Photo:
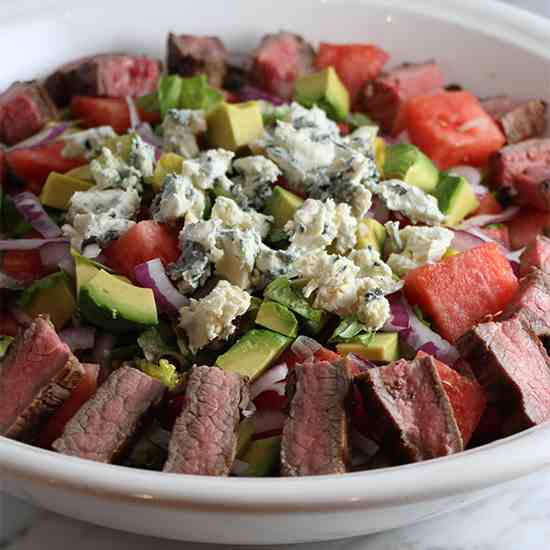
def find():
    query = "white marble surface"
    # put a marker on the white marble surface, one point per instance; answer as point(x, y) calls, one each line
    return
point(517, 519)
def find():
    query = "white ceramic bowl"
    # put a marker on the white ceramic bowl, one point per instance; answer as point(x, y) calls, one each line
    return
point(489, 48)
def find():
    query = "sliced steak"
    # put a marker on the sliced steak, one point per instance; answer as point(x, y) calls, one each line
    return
point(536, 254)
point(531, 304)
point(103, 427)
point(414, 416)
point(523, 171)
point(108, 75)
point(385, 96)
point(204, 438)
point(25, 108)
point(511, 364)
point(36, 378)
point(279, 60)
point(315, 435)
point(189, 55)
point(519, 119)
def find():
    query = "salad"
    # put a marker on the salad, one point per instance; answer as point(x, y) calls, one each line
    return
point(294, 262)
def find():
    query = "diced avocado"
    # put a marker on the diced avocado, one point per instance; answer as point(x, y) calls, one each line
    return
point(245, 431)
point(278, 318)
point(81, 172)
point(282, 292)
point(455, 197)
point(86, 269)
point(324, 89)
point(371, 232)
point(168, 163)
point(282, 205)
point(383, 347)
point(51, 295)
point(232, 126)
point(262, 456)
point(253, 353)
point(5, 343)
point(59, 188)
point(379, 153)
point(115, 305)
point(408, 163)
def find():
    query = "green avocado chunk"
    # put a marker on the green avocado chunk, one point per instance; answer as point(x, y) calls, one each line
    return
point(383, 347)
point(262, 456)
point(325, 90)
point(278, 318)
point(245, 431)
point(371, 232)
point(59, 188)
point(107, 301)
point(456, 198)
point(282, 205)
point(407, 162)
point(253, 353)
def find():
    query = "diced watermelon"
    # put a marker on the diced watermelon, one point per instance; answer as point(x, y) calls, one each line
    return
point(452, 128)
point(355, 64)
point(23, 265)
point(461, 290)
point(526, 225)
point(488, 204)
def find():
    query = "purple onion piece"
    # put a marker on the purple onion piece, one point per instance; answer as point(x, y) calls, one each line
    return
point(80, 338)
point(28, 244)
point(251, 93)
point(53, 255)
point(272, 380)
point(486, 219)
point(45, 136)
point(30, 208)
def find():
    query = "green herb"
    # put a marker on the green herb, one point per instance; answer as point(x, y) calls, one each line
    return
point(169, 93)
point(350, 329)
point(5, 342)
point(164, 371)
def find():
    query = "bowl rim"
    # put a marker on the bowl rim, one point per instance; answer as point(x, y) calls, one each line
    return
point(464, 472)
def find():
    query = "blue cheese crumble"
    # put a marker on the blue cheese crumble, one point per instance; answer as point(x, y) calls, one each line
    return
point(179, 130)
point(86, 143)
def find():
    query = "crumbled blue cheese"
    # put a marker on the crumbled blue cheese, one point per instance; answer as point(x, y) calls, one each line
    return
point(178, 199)
point(362, 140)
point(141, 156)
point(192, 268)
point(314, 119)
point(373, 309)
point(411, 201)
point(87, 142)
point(204, 233)
point(179, 130)
point(213, 317)
point(374, 268)
point(271, 264)
point(420, 246)
point(228, 212)
point(209, 169)
point(111, 172)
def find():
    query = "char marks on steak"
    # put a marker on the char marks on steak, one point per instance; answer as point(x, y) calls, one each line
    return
point(315, 435)
point(204, 438)
point(536, 255)
point(36, 378)
point(105, 424)
point(25, 108)
point(415, 418)
point(189, 55)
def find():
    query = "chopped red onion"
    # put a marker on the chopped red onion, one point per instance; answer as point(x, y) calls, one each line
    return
point(132, 109)
point(152, 275)
point(358, 364)
point(466, 240)
point(239, 468)
point(304, 347)
point(251, 93)
point(68, 266)
point(28, 244)
point(46, 135)
point(30, 208)
point(399, 315)
point(144, 130)
point(268, 421)
point(271, 380)
point(53, 254)
point(378, 211)
point(80, 338)
point(486, 219)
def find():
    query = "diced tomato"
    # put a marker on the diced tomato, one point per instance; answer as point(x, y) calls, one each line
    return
point(24, 265)
point(35, 164)
point(452, 128)
point(83, 391)
point(107, 111)
point(498, 233)
point(8, 325)
point(271, 400)
point(355, 64)
point(143, 242)
point(461, 290)
point(488, 204)
point(526, 225)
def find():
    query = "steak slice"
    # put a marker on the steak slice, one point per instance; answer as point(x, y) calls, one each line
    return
point(536, 254)
point(25, 108)
point(36, 378)
point(385, 96)
point(204, 438)
point(523, 171)
point(414, 416)
point(108, 75)
point(519, 119)
point(105, 424)
point(279, 59)
point(511, 364)
point(531, 304)
point(315, 435)
point(189, 55)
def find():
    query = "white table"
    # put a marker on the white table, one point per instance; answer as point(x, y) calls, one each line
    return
point(517, 519)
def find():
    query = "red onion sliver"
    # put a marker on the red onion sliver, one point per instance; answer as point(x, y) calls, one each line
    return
point(358, 364)
point(304, 347)
point(466, 240)
point(486, 219)
point(80, 338)
point(268, 421)
point(399, 314)
point(46, 135)
point(144, 130)
point(250, 93)
point(132, 109)
point(52, 254)
point(271, 380)
point(28, 244)
point(68, 266)
point(30, 208)
point(152, 275)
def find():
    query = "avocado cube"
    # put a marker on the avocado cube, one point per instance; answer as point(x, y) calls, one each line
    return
point(278, 318)
point(245, 431)
point(408, 163)
point(108, 302)
point(51, 296)
point(168, 163)
point(379, 153)
point(456, 198)
point(324, 89)
point(59, 188)
point(234, 125)
point(86, 269)
point(253, 353)
point(81, 172)
point(383, 347)
point(371, 232)
point(262, 456)
point(282, 205)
